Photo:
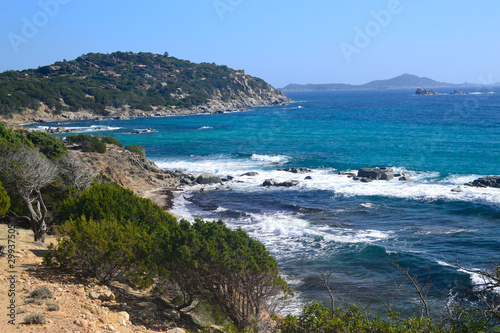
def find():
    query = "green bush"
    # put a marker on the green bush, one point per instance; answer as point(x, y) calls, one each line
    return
point(48, 145)
point(136, 149)
point(112, 141)
point(88, 142)
point(105, 249)
point(9, 136)
point(234, 272)
point(4, 201)
point(316, 318)
point(108, 201)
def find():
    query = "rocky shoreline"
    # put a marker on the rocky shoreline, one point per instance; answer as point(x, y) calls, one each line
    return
point(214, 106)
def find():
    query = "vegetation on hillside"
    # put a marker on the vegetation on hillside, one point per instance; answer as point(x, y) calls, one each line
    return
point(97, 81)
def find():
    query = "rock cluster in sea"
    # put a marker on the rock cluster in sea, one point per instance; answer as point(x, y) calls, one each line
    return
point(421, 91)
point(490, 181)
point(367, 175)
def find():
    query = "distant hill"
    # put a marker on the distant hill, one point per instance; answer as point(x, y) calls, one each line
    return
point(399, 82)
point(129, 84)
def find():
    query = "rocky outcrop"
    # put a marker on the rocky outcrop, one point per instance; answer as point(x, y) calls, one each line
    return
point(272, 182)
point(421, 91)
point(490, 181)
point(207, 179)
point(296, 170)
point(457, 92)
point(250, 174)
point(376, 173)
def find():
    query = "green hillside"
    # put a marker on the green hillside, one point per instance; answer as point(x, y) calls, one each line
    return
point(141, 81)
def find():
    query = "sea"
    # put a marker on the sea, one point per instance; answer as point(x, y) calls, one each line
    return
point(331, 227)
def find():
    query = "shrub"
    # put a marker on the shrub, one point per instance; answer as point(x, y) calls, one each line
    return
point(234, 272)
point(9, 136)
point(107, 201)
point(35, 318)
point(4, 201)
point(111, 140)
point(105, 249)
point(140, 150)
point(88, 142)
point(316, 318)
point(48, 145)
point(41, 293)
point(52, 306)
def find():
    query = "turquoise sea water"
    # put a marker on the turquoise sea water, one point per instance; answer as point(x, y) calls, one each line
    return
point(332, 223)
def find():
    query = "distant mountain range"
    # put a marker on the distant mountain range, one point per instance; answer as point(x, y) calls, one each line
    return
point(399, 82)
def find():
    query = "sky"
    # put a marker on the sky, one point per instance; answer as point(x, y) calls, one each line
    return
point(292, 41)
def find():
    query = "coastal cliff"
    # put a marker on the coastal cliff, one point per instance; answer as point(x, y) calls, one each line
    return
point(126, 84)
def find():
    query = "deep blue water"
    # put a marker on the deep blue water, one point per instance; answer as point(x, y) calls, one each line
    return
point(332, 223)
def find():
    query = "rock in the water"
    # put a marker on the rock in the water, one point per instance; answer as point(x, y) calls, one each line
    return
point(366, 180)
point(376, 173)
point(229, 177)
point(251, 174)
point(271, 182)
point(421, 91)
point(308, 177)
point(457, 189)
point(208, 178)
point(457, 92)
point(296, 170)
point(490, 181)
point(405, 179)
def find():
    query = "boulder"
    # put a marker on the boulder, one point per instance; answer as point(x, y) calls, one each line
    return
point(376, 173)
point(250, 174)
point(405, 179)
point(124, 314)
point(490, 181)
point(457, 189)
point(208, 178)
point(271, 182)
point(457, 92)
point(296, 170)
point(308, 177)
point(107, 296)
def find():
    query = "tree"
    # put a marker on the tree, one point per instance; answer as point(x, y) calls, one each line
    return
point(4, 201)
point(232, 271)
point(26, 172)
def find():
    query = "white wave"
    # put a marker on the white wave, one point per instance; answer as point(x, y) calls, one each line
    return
point(478, 280)
point(76, 129)
point(280, 159)
point(205, 128)
point(425, 186)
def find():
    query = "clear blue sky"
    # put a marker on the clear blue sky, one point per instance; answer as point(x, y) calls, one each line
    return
point(316, 41)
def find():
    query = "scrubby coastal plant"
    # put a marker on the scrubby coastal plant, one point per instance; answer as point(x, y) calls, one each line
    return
point(51, 147)
point(136, 149)
point(105, 249)
point(89, 143)
point(228, 268)
point(4, 201)
point(111, 140)
point(35, 319)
